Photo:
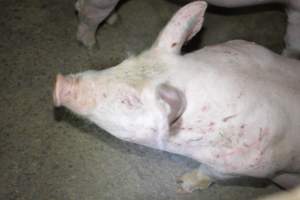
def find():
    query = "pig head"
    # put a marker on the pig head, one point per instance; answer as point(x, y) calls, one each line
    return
point(118, 103)
point(234, 107)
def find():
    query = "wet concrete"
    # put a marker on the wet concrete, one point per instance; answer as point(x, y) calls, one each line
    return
point(52, 154)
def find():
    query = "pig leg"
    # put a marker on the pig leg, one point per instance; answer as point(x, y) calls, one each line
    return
point(113, 17)
point(91, 13)
point(201, 178)
point(287, 181)
point(193, 180)
point(292, 37)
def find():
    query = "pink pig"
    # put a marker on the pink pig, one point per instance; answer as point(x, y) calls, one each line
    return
point(234, 107)
point(93, 12)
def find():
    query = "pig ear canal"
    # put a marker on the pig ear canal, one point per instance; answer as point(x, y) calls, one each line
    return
point(174, 99)
point(182, 27)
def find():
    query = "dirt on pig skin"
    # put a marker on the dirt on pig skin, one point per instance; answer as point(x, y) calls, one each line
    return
point(52, 154)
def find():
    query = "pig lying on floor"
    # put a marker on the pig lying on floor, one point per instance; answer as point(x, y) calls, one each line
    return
point(92, 12)
point(234, 107)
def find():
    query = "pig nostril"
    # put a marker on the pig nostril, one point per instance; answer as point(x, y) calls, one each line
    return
point(56, 91)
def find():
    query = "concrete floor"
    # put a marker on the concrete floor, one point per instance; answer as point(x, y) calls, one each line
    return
point(51, 154)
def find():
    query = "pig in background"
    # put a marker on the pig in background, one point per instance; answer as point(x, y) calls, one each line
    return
point(92, 12)
point(238, 115)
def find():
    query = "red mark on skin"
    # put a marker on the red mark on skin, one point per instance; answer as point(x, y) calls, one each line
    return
point(195, 140)
point(240, 150)
point(127, 102)
point(240, 95)
point(242, 131)
point(174, 44)
point(262, 133)
point(246, 145)
point(211, 127)
point(177, 23)
point(189, 129)
point(153, 130)
point(225, 119)
point(204, 108)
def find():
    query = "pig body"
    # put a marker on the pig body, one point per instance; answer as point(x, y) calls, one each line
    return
point(241, 115)
point(93, 12)
point(234, 107)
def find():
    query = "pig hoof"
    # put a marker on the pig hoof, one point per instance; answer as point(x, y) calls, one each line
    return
point(86, 36)
point(112, 18)
point(192, 181)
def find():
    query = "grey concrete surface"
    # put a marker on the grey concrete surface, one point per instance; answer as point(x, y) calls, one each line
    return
point(50, 154)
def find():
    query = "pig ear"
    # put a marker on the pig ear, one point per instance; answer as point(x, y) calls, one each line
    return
point(174, 99)
point(182, 27)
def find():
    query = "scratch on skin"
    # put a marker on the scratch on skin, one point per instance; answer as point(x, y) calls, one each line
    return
point(242, 130)
point(263, 132)
point(225, 119)
point(205, 108)
point(224, 137)
point(131, 101)
point(211, 127)
point(240, 95)
point(195, 140)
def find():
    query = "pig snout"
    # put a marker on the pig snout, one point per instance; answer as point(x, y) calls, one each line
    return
point(62, 89)
point(71, 92)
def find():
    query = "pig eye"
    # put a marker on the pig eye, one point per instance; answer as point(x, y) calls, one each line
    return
point(131, 101)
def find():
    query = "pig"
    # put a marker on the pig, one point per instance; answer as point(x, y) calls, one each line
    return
point(233, 107)
point(93, 12)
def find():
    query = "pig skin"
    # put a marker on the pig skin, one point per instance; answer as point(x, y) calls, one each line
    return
point(234, 107)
